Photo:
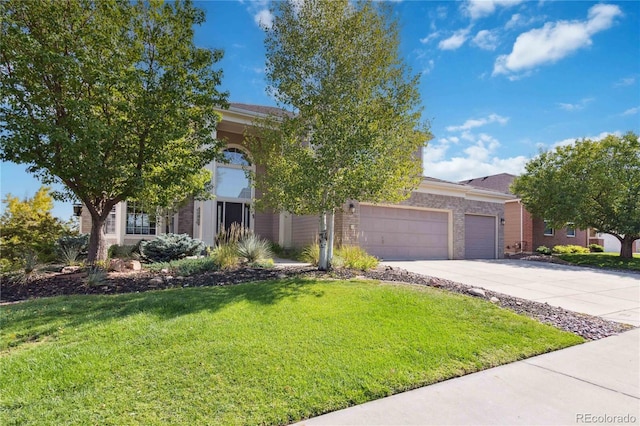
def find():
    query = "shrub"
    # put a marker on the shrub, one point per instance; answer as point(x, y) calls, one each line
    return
point(311, 254)
point(596, 248)
point(96, 276)
point(70, 248)
point(567, 249)
point(543, 250)
point(168, 247)
point(185, 267)
point(355, 257)
point(264, 264)
point(285, 252)
point(225, 256)
point(253, 248)
point(123, 251)
point(233, 235)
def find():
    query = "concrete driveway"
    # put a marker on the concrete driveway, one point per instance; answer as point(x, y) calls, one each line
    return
point(611, 295)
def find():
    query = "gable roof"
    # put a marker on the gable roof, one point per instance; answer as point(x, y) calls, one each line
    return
point(499, 182)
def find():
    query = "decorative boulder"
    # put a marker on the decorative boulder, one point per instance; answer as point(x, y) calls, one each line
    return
point(134, 265)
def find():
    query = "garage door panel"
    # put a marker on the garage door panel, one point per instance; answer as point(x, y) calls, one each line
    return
point(397, 233)
point(479, 237)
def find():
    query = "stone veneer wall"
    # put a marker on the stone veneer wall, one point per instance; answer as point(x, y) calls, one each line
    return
point(459, 207)
point(185, 218)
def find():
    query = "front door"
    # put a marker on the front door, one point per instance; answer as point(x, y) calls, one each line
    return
point(230, 213)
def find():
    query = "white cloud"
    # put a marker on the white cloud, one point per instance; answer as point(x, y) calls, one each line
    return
point(487, 40)
point(430, 37)
point(264, 18)
point(455, 41)
point(428, 67)
point(577, 106)
point(517, 20)
point(624, 82)
point(555, 40)
point(478, 159)
point(480, 8)
point(631, 111)
point(478, 122)
point(571, 141)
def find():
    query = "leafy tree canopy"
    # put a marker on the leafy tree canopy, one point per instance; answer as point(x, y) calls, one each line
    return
point(354, 127)
point(110, 98)
point(27, 226)
point(594, 184)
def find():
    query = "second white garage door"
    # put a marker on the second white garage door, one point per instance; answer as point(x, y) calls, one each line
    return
point(402, 234)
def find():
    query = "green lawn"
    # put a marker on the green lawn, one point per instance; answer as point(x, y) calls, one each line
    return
point(603, 260)
point(260, 353)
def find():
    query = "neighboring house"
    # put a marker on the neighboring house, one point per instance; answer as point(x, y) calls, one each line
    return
point(441, 220)
point(524, 233)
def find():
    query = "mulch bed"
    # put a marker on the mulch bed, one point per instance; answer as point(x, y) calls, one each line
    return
point(58, 284)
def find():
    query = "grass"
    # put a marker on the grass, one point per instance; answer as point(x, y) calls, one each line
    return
point(260, 353)
point(604, 260)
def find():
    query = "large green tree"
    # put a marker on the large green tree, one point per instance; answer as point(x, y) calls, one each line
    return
point(353, 129)
point(594, 184)
point(110, 98)
point(28, 227)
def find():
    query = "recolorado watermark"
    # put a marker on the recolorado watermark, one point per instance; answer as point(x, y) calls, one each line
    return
point(590, 418)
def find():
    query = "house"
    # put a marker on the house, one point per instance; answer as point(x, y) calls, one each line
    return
point(440, 220)
point(522, 231)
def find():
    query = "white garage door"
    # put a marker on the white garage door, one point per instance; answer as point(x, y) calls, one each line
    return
point(402, 234)
point(479, 237)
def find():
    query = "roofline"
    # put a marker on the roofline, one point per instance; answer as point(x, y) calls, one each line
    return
point(462, 190)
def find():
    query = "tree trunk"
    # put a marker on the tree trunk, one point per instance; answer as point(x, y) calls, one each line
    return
point(97, 244)
point(323, 260)
point(330, 238)
point(626, 247)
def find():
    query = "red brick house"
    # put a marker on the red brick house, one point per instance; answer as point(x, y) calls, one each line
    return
point(522, 232)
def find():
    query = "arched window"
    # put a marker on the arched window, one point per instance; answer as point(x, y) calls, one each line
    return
point(233, 190)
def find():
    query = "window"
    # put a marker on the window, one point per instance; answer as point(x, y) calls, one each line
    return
point(571, 230)
point(236, 157)
point(232, 183)
point(231, 178)
point(548, 230)
point(110, 222)
point(233, 190)
point(140, 222)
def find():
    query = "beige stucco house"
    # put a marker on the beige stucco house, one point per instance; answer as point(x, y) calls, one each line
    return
point(441, 220)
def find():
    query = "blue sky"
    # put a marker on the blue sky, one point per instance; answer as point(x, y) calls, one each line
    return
point(500, 80)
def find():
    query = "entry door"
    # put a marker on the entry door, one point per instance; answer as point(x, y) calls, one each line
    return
point(230, 213)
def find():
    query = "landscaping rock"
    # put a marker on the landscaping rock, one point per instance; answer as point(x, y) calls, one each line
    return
point(117, 265)
point(134, 265)
point(155, 281)
point(494, 300)
point(477, 292)
point(70, 269)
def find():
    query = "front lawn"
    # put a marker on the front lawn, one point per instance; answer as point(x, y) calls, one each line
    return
point(603, 260)
point(260, 353)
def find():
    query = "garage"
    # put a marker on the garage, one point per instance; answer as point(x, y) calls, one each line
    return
point(392, 233)
point(479, 237)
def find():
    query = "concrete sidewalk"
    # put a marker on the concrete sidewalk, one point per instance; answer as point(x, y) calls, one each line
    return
point(593, 383)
